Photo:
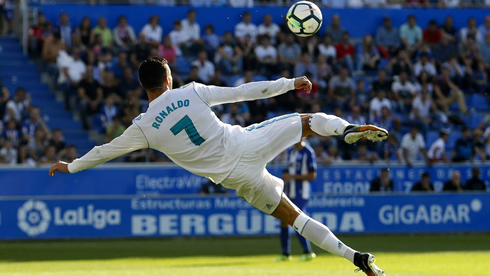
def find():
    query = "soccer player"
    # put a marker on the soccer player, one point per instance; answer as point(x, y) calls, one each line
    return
point(300, 171)
point(180, 123)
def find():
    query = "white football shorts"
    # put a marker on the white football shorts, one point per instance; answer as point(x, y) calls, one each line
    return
point(265, 141)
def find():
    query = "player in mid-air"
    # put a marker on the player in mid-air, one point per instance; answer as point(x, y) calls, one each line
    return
point(180, 123)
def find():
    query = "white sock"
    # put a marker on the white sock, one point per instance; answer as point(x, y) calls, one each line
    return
point(327, 125)
point(320, 235)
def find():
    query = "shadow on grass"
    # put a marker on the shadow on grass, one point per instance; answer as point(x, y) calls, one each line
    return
point(27, 251)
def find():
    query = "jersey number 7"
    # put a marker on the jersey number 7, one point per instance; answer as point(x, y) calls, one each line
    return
point(187, 125)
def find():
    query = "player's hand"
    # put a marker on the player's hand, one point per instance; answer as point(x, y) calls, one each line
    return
point(302, 83)
point(59, 166)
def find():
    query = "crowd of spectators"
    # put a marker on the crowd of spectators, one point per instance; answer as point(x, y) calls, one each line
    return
point(401, 78)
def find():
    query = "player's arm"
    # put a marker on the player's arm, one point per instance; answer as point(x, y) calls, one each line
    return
point(214, 95)
point(131, 140)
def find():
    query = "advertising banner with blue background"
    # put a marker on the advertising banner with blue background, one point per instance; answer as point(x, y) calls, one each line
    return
point(172, 180)
point(44, 218)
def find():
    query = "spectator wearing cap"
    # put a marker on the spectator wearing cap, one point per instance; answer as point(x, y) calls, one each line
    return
point(432, 35)
point(411, 34)
point(412, 146)
point(424, 184)
point(382, 183)
point(335, 30)
point(246, 27)
point(388, 38)
point(152, 32)
point(268, 27)
point(475, 183)
point(437, 151)
point(124, 35)
point(102, 30)
point(454, 184)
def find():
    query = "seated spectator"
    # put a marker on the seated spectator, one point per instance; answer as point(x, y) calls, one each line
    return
point(464, 150)
point(449, 31)
point(246, 27)
point(377, 104)
point(456, 70)
point(328, 50)
point(453, 184)
point(424, 64)
point(432, 35)
point(57, 140)
point(83, 34)
point(66, 30)
point(37, 145)
point(401, 63)
point(192, 31)
point(446, 93)
point(228, 56)
point(72, 69)
point(128, 83)
point(479, 145)
point(119, 63)
point(205, 67)
point(247, 78)
point(69, 154)
point(385, 119)
point(341, 89)
point(49, 156)
point(335, 30)
point(382, 183)
point(479, 79)
point(268, 27)
point(169, 51)
point(233, 117)
point(8, 153)
point(12, 133)
point(102, 30)
point(194, 75)
point(437, 151)
point(444, 51)
point(345, 52)
point(151, 33)
point(211, 40)
point(248, 53)
point(363, 96)
point(218, 79)
point(37, 36)
point(367, 55)
point(356, 117)
point(403, 93)
point(411, 34)
point(16, 108)
point(424, 111)
point(364, 155)
point(90, 94)
point(424, 81)
point(178, 36)
point(324, 71)
point(34, 122)
point(412, 145)
point(470, 29)
point(110, 85)
point(51, 49)
point(424, 184)
point(475, 183)
point(114, 130)
point(388, 39)
point(124, 35)
point(108, 111)
point(382, 82)
point(304, 66)
point(391, 150)
point(289, 53)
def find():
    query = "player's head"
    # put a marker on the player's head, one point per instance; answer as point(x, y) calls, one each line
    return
point(155, 75)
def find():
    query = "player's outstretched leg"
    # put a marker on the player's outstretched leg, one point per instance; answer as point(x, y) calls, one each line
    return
point(330, 125)
point(321, 235)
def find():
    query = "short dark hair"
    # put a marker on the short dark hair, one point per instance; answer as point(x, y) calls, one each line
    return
point(152, 73)
point(425, 174)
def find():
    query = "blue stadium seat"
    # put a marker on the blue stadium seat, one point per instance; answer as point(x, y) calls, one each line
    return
point(183, 65)
point(234, 78)
point(259, 78)
point(474, 119)
point(478, 102)
point(453, 137)
point(432, 136)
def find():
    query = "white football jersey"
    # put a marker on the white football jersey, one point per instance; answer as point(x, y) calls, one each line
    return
point(181, 124)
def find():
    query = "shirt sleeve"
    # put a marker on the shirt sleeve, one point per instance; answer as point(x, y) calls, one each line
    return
point(132, 139)
point(214, 95)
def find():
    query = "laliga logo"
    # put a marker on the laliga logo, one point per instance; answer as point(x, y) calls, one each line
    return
point(33, 217)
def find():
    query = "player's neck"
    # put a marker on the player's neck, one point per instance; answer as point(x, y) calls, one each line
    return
point(155, 94)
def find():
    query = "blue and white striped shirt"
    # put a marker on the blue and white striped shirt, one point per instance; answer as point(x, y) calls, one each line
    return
point(300, 162)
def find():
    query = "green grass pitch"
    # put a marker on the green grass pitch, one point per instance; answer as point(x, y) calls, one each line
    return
point(399, 255)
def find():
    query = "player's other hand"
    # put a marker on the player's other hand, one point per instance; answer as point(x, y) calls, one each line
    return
point(302, 83)
point(59, 166)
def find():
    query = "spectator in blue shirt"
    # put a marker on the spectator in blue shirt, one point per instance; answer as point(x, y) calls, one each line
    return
point(387, 38)
point(66, 29)
point(464, 150)
point(301, 170)
point(411, 34)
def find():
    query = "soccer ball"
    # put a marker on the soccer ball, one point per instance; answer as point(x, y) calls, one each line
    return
point(304, 18)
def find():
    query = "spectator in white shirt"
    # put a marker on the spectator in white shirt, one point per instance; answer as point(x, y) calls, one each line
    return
point(17, 107)
point(484, 28)
point(471, 29)
point(266, 55)
point(412, 145)
point(328, 49)
point(437, 151)
point(246, 27)
point(177, 35)
point(241, 3)
point(152, 32)
point(449, 3)
point(403, 92)
point(421, 114)
point(192, 29)
point(269, 28)
point(124, 34)
point(204, 66)
point(9, 153)
point(72, 69)
point(377, 104)
point(424, 64)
